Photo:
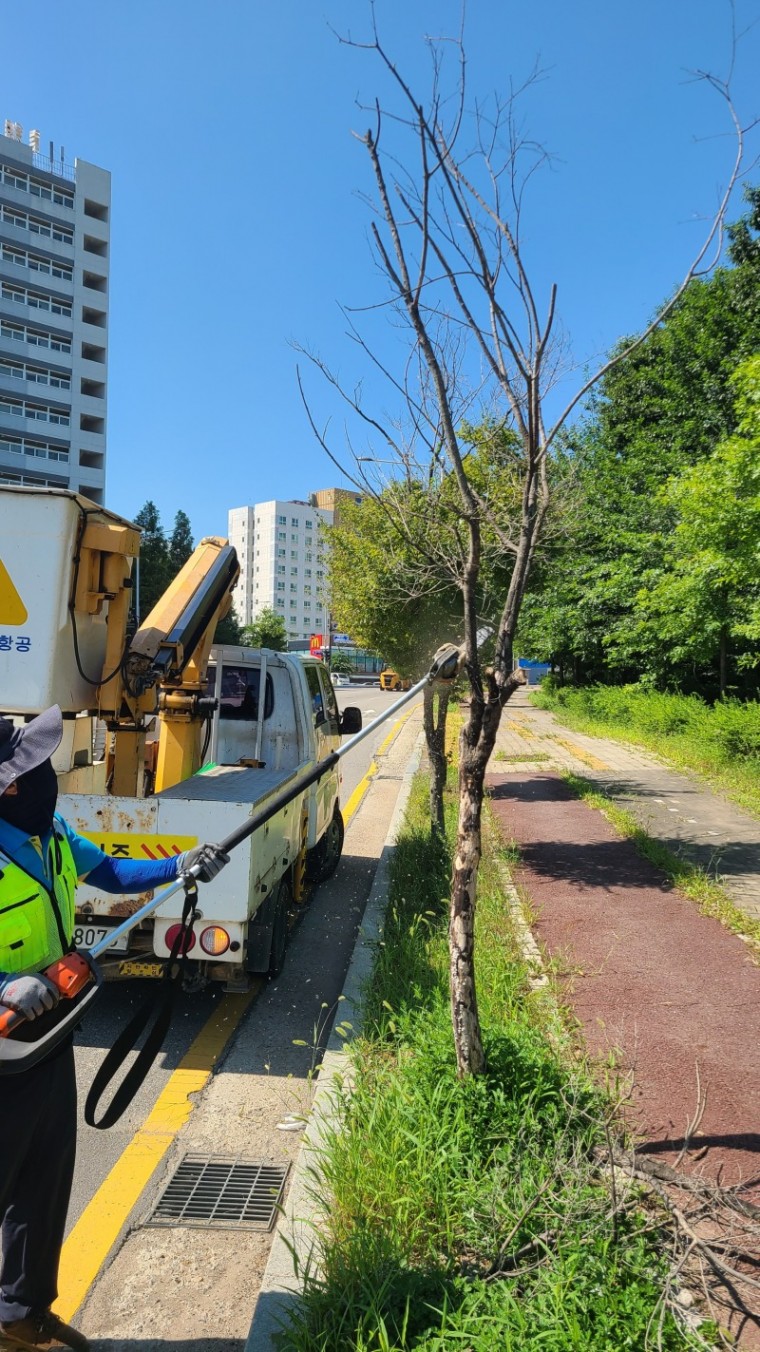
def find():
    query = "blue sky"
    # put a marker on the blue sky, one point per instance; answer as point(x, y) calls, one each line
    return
point(238, 225)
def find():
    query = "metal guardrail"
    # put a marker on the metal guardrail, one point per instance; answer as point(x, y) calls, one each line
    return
point(57, 167)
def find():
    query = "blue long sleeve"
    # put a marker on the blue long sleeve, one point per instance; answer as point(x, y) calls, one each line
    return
point(133, 875)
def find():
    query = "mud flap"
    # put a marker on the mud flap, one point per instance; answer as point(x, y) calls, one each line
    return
point(260, 931)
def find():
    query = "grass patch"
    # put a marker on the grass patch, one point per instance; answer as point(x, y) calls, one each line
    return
point(720, 742)
point(709, 896)
point(470, 1214)
point(528, 756)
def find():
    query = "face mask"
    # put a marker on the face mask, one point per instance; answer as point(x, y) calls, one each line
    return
point(31, 809)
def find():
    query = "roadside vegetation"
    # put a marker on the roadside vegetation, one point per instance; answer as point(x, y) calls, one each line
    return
point(720, 742)
point(473, 1212)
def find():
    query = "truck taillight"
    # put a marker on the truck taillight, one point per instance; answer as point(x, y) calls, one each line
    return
point(215, 940)
point(171, 935)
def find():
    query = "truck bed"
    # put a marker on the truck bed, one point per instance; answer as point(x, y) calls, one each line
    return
point(232, 784)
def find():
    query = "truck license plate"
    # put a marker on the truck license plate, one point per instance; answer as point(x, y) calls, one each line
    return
point(86, 936)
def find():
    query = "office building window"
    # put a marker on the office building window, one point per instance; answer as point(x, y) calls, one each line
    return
point(282, 521)
point(21, 371)
point(26, 446)
point(19, 408)
point(21, 259)
point(19, 295)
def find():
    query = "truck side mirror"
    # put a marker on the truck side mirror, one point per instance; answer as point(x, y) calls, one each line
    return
point(350, 721)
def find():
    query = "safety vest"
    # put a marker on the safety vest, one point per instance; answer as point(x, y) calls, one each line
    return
point(37, 919)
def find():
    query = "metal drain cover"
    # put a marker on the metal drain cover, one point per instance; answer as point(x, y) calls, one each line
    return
point(223, 1193)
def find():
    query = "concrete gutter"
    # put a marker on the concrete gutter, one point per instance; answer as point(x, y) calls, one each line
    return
point(292, 1251)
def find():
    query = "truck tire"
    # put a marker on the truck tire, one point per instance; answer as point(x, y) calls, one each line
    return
point(323, 860)
point(280, 927)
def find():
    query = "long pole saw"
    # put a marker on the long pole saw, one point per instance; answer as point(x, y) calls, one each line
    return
point(76, 975)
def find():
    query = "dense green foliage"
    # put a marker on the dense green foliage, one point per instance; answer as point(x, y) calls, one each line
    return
point(396, 560)
point(380, 590)
point(267, 631)
point(431, 1183)
point(161, 560)
point(656, 574)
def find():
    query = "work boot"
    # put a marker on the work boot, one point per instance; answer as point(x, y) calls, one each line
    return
point(44, 1331)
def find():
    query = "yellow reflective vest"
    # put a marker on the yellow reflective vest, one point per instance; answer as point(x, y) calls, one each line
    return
point(37, 919)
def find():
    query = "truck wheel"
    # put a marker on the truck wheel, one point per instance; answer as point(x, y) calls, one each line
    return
point(322, 861)
point(280, 928)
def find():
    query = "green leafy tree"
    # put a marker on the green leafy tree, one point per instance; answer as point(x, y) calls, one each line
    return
point(180, 542)
point(340, 662)
point(229, 630)
point(267, 631)
point(154, 565)
point(385, 595)
point(659, 414)
point(704, 604)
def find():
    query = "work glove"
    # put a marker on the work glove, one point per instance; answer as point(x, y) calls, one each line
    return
point(211, 859)
point(29, 995)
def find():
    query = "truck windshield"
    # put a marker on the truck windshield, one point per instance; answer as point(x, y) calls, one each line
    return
point(240, 692)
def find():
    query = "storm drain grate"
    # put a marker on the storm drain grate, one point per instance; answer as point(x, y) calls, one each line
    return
point(223, 1193)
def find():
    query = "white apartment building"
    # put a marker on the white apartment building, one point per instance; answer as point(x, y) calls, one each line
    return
point(54, 273)
point(281, 551)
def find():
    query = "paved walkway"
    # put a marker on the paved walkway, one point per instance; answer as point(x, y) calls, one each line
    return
point(673, 807)
point(668, 993)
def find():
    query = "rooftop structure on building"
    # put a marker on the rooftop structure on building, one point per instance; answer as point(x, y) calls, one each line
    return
point(282, 551)
point(54, 265)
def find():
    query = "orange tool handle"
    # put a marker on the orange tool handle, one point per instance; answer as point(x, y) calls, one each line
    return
point(69, 975)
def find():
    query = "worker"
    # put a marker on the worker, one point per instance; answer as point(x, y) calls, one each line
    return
point(41, 859)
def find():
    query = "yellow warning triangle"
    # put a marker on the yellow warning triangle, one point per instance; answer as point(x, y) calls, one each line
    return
point(12, 608)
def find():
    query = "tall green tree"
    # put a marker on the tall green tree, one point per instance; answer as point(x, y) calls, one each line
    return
point(386, 596)
point(703, 605)
point(180, 542)
point(155, 568)
point(267, 631)
point(659, 414)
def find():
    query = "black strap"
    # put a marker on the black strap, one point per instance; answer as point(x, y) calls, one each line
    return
point(155, 1015)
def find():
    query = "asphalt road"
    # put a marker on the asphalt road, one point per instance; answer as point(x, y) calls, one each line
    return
point(99, 1150)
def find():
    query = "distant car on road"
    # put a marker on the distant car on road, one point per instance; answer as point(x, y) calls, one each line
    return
point(390, 680)
point(339, 679)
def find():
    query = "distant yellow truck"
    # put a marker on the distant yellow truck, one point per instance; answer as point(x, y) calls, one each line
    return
point(390, 680)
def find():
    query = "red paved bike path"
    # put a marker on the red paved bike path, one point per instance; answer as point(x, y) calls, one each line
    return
point(645, 974)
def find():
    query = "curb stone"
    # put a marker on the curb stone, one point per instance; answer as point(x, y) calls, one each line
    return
point(293, 1243)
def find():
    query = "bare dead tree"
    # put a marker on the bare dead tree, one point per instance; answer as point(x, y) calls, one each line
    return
point(447, 228)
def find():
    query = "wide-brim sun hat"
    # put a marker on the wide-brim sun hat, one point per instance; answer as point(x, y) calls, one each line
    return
point(24, 748)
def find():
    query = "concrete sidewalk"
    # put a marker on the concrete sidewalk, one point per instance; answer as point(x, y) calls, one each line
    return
point(673, 807)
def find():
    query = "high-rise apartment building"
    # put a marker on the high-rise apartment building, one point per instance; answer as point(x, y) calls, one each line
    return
point(281, 553)
point(54, 261)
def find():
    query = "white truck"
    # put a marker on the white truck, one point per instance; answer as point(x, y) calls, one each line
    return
point(145, 707)
point(259, 743)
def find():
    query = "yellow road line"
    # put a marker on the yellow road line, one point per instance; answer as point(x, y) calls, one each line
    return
point(99, 1225)
point(97, 1229)
point(357, 796)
